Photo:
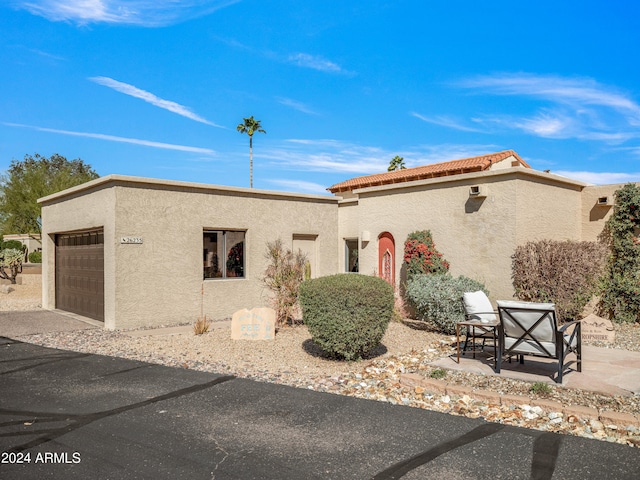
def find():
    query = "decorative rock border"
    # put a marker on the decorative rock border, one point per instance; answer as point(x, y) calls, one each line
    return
point(432, 385)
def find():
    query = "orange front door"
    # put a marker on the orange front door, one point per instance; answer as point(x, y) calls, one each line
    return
point(386, 257)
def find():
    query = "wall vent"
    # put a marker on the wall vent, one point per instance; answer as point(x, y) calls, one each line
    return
point(604, 201)
point(478, 191)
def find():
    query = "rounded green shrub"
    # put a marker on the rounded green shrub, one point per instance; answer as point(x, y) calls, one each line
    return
point(35, 257)
point(14, 244)
point(347, 315)
point(437, 298)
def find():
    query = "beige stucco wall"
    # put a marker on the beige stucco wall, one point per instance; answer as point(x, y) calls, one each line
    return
point(477, 236)
point(87, 210)
point(547, 210)
point(160, 281)
point(595, 216)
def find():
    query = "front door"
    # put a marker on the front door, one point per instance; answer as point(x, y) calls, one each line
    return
point(386, 257)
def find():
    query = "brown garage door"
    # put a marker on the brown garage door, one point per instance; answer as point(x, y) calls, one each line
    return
point(80, 273)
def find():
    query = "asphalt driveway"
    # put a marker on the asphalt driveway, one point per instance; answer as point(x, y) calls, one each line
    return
point(71, 415)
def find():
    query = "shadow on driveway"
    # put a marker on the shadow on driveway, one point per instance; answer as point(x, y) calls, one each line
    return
point(88, 416)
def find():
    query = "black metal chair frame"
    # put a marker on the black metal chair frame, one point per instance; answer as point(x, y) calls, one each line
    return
point(563, 345)
point(470, 332)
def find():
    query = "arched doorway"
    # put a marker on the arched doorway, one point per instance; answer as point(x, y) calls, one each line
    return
point(387, 257)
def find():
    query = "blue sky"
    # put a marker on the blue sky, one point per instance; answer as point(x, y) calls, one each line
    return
point(157, 88)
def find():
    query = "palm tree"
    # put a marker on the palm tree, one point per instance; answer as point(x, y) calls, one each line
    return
point(250, 126)
point(396, 163)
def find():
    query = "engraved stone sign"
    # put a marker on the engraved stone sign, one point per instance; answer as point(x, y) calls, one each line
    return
point(254, 324)
point(597, 328)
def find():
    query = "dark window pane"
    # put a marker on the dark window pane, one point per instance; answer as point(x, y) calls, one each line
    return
point(223, 254)
point(211, 254)
point(235, 254)
point(351, 254)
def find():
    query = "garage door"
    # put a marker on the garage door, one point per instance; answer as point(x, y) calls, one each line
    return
point(80, 273)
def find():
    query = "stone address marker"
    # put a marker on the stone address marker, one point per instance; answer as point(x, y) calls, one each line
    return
point(597, 328)
point(256, 324)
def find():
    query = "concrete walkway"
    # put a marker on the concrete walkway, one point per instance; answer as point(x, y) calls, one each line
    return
point(179, 330)
point(604, 370)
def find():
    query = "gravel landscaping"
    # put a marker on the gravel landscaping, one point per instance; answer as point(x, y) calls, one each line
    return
point(293, 359)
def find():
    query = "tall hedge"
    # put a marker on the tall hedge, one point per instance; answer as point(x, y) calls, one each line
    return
point(566, 273)
point(347, 315)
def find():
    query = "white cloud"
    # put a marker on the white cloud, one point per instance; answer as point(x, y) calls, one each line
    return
point(333, 156)
point(600, 178)
point(445, 122)
point(112, 138)
point(315, 62)
point(574, 91)
point(575, 107)
point(301, 107)
point(300, 186)
point(135, 12)
point(151, 98)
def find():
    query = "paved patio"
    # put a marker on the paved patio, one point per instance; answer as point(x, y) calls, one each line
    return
point(604, 370)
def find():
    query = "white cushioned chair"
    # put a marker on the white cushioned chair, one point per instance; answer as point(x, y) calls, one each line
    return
point(529, 328)
point(477, 306)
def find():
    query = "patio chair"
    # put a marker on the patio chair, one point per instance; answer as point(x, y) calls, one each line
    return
point(529, 328)
point(477, 307)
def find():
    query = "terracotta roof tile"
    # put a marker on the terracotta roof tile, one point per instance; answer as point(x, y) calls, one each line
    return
point(465, 165)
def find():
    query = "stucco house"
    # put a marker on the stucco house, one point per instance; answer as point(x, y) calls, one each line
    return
point(133, 252)
point(30, 240)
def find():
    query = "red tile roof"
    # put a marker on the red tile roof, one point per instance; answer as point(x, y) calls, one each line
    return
point(455, 167)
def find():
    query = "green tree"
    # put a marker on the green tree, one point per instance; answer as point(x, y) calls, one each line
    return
point(621, 284)
point(250, 126)
point(34, 177)
point(396, 163)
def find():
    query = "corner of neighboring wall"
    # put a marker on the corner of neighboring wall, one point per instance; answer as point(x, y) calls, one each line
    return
point(597, 207)
point(48, 271)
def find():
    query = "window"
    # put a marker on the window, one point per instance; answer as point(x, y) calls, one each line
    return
point(351, 255)
point(223, 254)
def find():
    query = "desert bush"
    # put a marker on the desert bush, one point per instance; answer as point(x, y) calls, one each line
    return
point(540, 388)
point(347, 315)
point(283, 276)
point(620, 289)
point(438, 298)
point(421, 255)
point(10, 264)
point(400, 308)
point(35, 257)
point(201, 326)
point(566, 273)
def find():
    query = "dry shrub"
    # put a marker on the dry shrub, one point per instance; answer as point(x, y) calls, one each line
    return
point(201, 326)
point(565, 273)
point(283, 276)
point(400, 307)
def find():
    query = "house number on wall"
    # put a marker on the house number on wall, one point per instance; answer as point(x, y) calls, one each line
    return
point(131, 240)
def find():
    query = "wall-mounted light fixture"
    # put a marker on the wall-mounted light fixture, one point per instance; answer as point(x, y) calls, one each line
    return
point(366, 236)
